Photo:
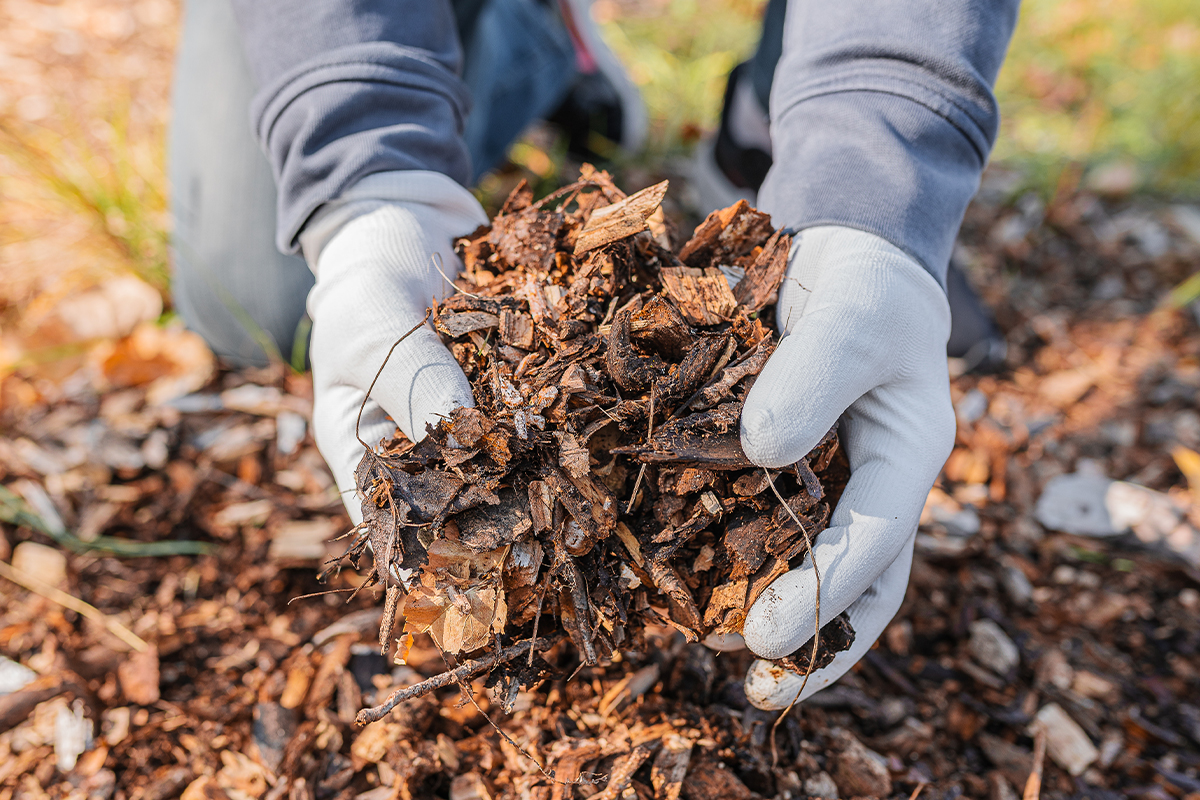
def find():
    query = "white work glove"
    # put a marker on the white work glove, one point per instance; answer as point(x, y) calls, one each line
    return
point(864, 330)
point(372, 252)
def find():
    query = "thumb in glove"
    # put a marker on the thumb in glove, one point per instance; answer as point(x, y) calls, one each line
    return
point(864, 331)
point(381, 255)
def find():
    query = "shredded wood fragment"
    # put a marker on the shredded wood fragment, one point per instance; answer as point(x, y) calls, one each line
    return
point(465, 672)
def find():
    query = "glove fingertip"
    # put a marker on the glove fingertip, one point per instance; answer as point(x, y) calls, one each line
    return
point(771, 434)
point(763, 631)
point(770, 687)
point(759, 440)
point(429, 408)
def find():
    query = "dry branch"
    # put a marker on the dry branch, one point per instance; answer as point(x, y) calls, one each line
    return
point(465, 672)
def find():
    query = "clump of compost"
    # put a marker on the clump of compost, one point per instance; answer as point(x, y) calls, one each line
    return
point(598, 486)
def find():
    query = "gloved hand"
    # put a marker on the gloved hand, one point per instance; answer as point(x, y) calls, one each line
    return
point(864, 331)
point(372, 252)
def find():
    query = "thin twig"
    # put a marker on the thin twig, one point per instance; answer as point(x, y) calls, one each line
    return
point(642, 469)
point(917, 791)
point(537, 617)
point(436, 258)
point(574, 187)
point(367, 396)
point(75, 604)
point(462, 687)
point(1033, 786)
point(311, 595)
point(466, 671)
point(391, 603)
point(816, 633)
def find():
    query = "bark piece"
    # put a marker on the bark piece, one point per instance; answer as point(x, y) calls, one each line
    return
point(660, 325)
point(670, 766)
point(760, 285)
point(629, 368)
point(1066, 742)
point(621, 219)
point(523, 236)
point(139, 677)
point(628, 689)
point(710, 439)
point(726, 597)
point(991, 647)
point(860, 771)
point(708, 780)
point(273, 728)
point(458, 325)
point(702, 295)
point(694, 370)
point(725, 235)
point(489, 527)
point(572, 456)
point(516, 329)
point(718, 391)
point(622, 774)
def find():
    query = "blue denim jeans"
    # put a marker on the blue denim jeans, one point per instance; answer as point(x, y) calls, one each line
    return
point(230, 283)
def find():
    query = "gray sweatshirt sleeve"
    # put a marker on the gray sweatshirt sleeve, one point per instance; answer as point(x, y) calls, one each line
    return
point(882, 117)
point(347, 88)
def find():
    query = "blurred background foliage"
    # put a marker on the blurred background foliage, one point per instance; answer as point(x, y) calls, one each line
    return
point(1103, 91)
point(1107, 85)
point(1096, 94)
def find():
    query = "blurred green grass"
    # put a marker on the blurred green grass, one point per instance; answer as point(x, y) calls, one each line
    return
point(679, 53)
point(97, 169)
point(1108, 86)
point(1100, 89)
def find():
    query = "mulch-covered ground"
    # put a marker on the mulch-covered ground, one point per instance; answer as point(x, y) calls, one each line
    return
point(224, 674)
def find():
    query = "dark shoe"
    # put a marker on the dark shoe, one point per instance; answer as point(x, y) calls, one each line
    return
point(603, 113)
point(974, 337)
point(723, 172)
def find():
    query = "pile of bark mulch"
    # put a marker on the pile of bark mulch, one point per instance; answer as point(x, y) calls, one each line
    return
point(228, 690)
point(598, 485)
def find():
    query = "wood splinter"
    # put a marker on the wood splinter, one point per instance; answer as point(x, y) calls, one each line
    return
point(465, 672)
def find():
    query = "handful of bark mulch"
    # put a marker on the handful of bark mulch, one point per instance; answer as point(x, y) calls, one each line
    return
point(599, 485)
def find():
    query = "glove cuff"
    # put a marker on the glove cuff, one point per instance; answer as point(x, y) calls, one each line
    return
point(434, 197)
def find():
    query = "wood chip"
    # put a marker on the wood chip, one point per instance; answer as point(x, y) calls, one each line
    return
point(702, 295)
point(458, 325)
point(620, 220)
point(1066, 742)
point(516, 329)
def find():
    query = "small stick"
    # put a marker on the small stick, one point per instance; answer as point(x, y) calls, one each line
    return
point(1033, 786)
point(75, 604)
point(388, 621)
point(642, 470)
point(466, 671)
point(817, 633)
point(466, 692)
point(367, 396)
point(436, 258)
point(917, 791)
